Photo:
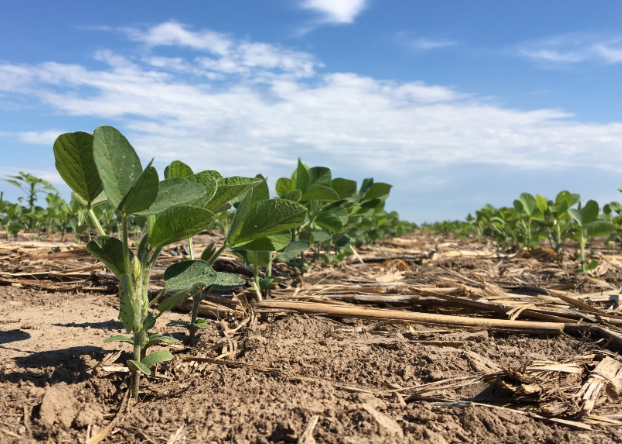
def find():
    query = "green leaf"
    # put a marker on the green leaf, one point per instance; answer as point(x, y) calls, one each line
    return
point(230, 187)
point(189, 292)
point(368, 208)
point(208, 253)
point(143, 193)
point(183, 275)
point(269, 217)
point(99, 200)
point(138, 366)
point(302, 176)
point(119, 338)
point(319, 193)
point(576, 215)
point(172, 193)
point(260, 191)
point(366, 185)
point(259, 258)
point(332, 218)
point(320, 176)
point(321, 236)
point(378, 190)
point(285, 185)
point(177, 169)
point(117, 163)
point(591, 266)
point(208, 179)
point(240, 214)
point(201, 323)
point(616, 206)
point(344, 187)
point(275, 242)
point(599, 229)
point(293, 249)
point(294, 195)
point(156, 357)
point(590, 212)
point(109, 250)
point(73, 153)
point(564, 196)
point(179, 223)
point(227, 281)
point(529, 203)
point(342, 242)
point(126, 310)
point(542, 202)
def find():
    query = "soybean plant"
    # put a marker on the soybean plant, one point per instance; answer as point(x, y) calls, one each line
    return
point(259, 226)
point(589, 226)
point(105, 167)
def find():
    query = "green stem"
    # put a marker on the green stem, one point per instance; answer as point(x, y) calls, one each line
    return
point(96, 222)
point(191, 249)
point(126, 248)
point(582, 240)
point(196, 303)
point(269, 267)
point(256, 275)
point(136, 375)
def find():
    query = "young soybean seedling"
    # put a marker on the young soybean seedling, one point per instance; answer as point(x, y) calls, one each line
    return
point(261, 226)
point(190, 279)
point(106, 167)
point(589, 226)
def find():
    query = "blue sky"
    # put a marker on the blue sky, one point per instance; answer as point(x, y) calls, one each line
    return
point(457, 104)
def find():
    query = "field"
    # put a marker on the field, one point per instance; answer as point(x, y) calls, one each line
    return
point(359, 352)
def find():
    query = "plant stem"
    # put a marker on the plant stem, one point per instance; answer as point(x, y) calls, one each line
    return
point(196, 303)
point(269, 267)
point(136, 304)
point(96, 223)
point(256, 275)
point(191, 248)
point(582, 240)
point(126, 248)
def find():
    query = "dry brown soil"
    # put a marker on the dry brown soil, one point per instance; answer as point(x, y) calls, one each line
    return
point(53, 389)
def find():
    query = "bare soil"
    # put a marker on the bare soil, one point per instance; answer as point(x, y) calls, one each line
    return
point(278, 376)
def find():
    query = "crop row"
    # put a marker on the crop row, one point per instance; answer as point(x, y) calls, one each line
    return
point(135, 215)
point(532, 221)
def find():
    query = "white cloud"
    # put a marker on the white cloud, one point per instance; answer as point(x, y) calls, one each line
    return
point(174, 34)
point(262, 121)
point(226, 55)
point(34, 137)
point(39, 137)
point(425, 44)
point(336, 11)
point(574, 48)
point(609, 52)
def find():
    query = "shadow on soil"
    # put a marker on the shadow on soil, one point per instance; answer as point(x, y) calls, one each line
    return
point(68, 365)
point(111, 325)
point(16, 335)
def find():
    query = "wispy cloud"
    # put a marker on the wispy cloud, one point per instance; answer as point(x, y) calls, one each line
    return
point(225, 54)
point(424, 44)
point(336, 11)
point(574, 48)
point(34, 137)
point(244, 111)
point(408, 40)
